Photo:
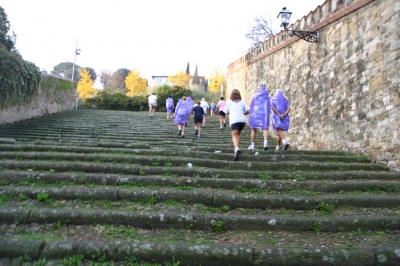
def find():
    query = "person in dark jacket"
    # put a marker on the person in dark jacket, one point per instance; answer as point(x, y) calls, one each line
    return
point(198, 113)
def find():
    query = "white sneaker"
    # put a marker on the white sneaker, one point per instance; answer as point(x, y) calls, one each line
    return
point(277, 148)
point(251, 147)
point(286, 146)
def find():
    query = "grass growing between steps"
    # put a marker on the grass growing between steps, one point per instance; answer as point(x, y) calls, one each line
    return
point(96, 260)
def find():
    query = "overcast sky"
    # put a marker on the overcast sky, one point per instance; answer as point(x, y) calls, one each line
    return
point(158, 37)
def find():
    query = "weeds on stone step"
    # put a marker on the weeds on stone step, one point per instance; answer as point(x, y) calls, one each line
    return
point(325, 208)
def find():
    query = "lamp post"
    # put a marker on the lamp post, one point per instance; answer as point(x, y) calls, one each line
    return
point(77, 52)
point(309, 36)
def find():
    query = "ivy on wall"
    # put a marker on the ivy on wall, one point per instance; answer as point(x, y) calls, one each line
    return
point(57, 83)
point(19, 79)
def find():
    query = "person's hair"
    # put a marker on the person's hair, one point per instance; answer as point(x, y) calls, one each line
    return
point(198, 102)
point(222, 98)
point(184, 98)
point(235, 95)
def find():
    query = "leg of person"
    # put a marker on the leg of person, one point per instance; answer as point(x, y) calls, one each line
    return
point(252, 138)
point(285, 144)
point(279, 141)
point(196, 127)
point(236, 129)
point(149, 110)
point(204, 121)
point(199, 130)
point(183, 131)
point(236, 141)
point(265, 133)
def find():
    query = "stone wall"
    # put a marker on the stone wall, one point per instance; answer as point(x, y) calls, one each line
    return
point(54, 95)
point(344, 91)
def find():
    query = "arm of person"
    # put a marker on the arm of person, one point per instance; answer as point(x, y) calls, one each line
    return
point(226, 109)
point(274, 109)
point(287, 111)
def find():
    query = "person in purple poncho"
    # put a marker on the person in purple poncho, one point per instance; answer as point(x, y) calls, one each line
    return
point(182, 112)
point(190, 106)
point(280, 117)
point(169, 105)
point(259, 114)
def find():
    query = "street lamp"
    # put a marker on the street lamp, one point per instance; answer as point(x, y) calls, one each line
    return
point(309, 36)
point(77, 52)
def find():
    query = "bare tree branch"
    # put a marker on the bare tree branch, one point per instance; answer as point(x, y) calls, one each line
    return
point(260, 32)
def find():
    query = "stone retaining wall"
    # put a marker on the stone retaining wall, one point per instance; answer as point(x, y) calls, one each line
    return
point(49, 99)
point(344, 91)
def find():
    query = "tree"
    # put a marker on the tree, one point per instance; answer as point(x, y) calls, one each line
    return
point(85, 85)
point(135, 83)
point(187, 69)
point(259, 33)
point(65, 70)
point(7, 41)
point(92, 73)
point(105, 79)
point(217, 79)
point(181, 79)
point(118, 80)
point(195, 80)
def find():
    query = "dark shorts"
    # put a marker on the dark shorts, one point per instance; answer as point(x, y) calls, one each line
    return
point(221, 113)
point(237, 126)
point(198, 120)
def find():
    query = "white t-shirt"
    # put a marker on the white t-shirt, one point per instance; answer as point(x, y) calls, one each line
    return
point(205, 106)
point(236, 111)
point(152, 99)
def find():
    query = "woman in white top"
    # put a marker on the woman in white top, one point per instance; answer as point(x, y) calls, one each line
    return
point(237, 111)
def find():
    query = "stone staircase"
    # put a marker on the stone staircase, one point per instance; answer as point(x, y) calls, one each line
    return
point(92, 187)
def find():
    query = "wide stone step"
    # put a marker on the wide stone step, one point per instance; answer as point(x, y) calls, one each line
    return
point(178, 166)
point(198, 220)
point(209, 197)
point(301, 185)
point(189, 154)
point(210, 254)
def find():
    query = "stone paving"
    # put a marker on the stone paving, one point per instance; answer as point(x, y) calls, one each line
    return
point(92, 187)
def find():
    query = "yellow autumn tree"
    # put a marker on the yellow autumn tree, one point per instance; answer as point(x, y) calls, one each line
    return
point(217, 79)
point(85, 85)
point(181, 79)
point(135, 83)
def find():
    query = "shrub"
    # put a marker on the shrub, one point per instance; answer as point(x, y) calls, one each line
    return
point(19, 79)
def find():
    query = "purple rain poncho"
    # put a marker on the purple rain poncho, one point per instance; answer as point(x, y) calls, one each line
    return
point(182, 112)
point(260, 109)
point(169, 104)
point(190, 104)
point(281, 104)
